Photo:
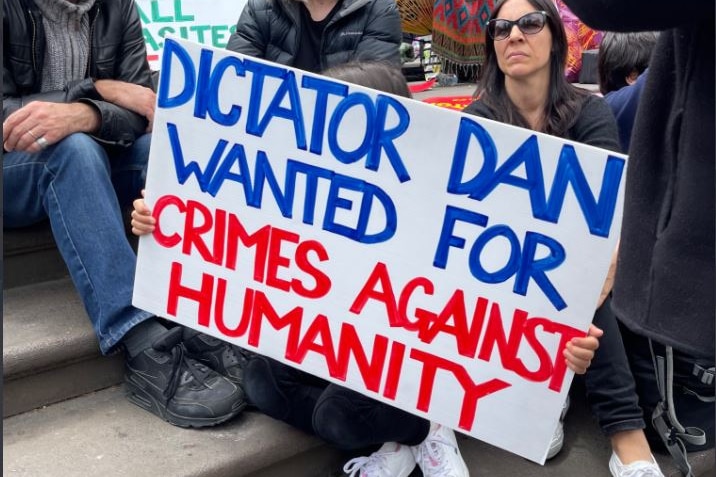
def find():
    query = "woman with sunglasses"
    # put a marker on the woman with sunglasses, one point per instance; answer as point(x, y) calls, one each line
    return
point(523, 83)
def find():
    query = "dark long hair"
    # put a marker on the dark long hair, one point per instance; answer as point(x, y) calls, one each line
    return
point(564, 101)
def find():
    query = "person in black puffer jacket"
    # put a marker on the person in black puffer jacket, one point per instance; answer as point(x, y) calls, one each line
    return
point(313, 36)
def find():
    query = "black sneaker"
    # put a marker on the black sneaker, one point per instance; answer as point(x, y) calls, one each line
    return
point(224, 358)
point(165, 381)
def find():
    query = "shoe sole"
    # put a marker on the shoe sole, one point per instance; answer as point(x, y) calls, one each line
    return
point(136, 394)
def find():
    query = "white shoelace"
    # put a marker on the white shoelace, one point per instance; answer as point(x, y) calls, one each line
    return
point(373, 464)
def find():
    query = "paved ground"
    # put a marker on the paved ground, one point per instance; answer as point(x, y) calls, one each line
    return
point(462, 89)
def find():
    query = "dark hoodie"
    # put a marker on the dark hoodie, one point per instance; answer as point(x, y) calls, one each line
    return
point(665, 283)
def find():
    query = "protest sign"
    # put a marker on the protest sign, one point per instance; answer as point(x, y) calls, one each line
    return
point(424, 257)
point(209, 22)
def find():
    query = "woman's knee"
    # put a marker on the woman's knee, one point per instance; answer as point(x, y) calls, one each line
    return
point(337, 420)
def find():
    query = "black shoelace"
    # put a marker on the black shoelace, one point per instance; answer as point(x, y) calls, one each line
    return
point(181, 361)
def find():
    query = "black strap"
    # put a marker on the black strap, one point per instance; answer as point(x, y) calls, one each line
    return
point(672, 433)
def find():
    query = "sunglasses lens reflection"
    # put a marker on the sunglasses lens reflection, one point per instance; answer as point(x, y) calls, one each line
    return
point(501, 29)
point(529, 24)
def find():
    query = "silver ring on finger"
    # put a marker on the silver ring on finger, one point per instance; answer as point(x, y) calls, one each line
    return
point(42, 142)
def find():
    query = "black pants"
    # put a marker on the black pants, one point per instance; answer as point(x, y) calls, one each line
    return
point(345, 418)
point(622, 389)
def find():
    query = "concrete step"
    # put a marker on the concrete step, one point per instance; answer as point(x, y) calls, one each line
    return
point(50, 352)
point(30, 256)
point(103, 434)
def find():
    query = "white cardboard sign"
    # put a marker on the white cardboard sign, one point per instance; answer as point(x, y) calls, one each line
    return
point(427, 258)
point(209, 22)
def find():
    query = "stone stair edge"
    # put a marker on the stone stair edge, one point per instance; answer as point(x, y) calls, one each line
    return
point(31, 341)
point(18, 241)
point(103, 434)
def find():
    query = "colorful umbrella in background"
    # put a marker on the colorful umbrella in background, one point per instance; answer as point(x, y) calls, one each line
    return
point(416, 16)
point(459, 28)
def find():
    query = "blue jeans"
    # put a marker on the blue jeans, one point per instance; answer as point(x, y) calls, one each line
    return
point(342, 417)
point(82, 188)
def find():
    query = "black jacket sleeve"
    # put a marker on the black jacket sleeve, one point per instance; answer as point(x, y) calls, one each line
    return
point(118, 125)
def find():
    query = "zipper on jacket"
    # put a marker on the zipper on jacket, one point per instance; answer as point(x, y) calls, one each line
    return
point(91, 38)
point(34, 40)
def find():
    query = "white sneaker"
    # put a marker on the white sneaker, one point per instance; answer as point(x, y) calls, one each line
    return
point(391, 460)
point(439, 456)
point(555, 445)
point(640, 468)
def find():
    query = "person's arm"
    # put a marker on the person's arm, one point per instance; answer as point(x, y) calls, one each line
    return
point(638, 15)
point(609, 281)
point(579, 352)
point(12, 100)
point(382, 35)
point(119, 124)
point(249, 37)
point(142, 221)
point(50, 121)
point(134, 97)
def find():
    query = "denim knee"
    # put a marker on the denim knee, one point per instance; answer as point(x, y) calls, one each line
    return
point(78, 154)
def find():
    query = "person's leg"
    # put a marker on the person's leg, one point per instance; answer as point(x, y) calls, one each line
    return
point(690, 410)
point(611, 391)
point(283, 392)
point(351, 420)
point(129, 170)
point(612, 394)
point(70, 183)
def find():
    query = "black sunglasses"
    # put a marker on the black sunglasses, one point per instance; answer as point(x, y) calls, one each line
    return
point(529, 24)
